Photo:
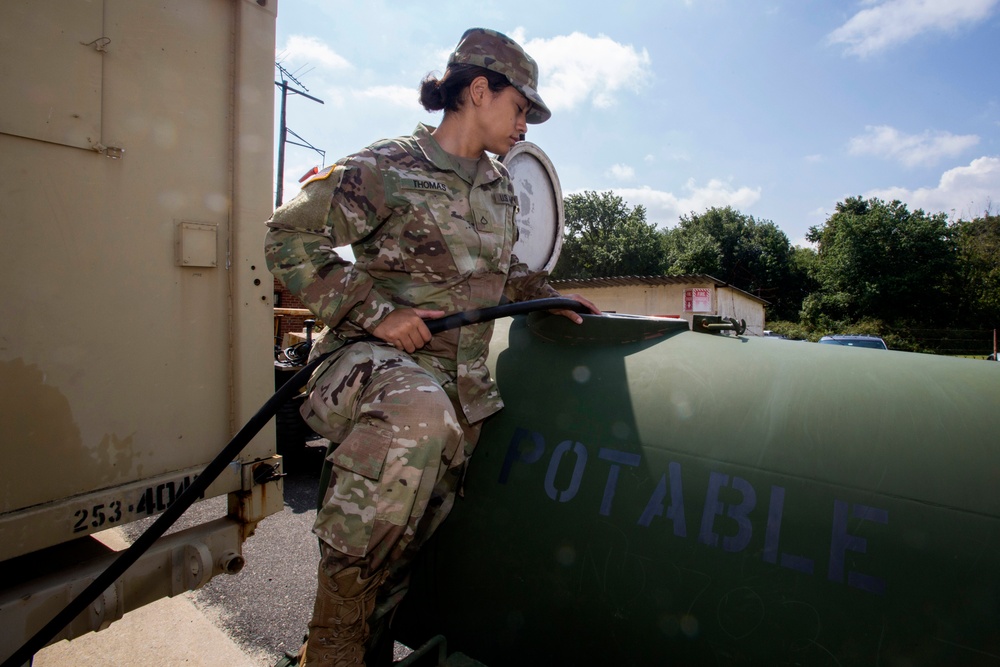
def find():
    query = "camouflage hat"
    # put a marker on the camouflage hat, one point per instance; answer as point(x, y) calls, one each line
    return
point(499, 53)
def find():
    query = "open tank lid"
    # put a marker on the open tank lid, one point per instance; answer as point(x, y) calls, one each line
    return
point(540, 219)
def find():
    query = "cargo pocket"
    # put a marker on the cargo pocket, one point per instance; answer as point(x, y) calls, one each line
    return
point(351, 501)
point(363, 451)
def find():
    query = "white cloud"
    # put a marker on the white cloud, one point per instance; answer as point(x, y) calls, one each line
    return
point(911, 150)
point(399, 97)
point(891, 22)
point(406, 97)
point(577, 68)
point(821, 213)
point(665, 208)
point(622, 172)
point(312, 51)
point(962, 192)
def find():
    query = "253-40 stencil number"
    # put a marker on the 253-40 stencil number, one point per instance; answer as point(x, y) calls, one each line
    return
point(97, 516)
point(147, 502)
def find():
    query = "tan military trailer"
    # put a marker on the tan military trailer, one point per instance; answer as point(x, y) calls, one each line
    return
point(136, 144)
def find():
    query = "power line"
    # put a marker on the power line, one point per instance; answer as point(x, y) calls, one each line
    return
point(283, 130)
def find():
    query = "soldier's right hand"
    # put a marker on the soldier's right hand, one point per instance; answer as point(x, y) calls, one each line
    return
point(404, 328)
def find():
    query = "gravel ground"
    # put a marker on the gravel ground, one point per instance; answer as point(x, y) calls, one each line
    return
point(266, 607)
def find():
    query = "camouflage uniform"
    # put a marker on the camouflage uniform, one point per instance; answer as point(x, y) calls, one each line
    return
point(423, 237)
point(429, 231)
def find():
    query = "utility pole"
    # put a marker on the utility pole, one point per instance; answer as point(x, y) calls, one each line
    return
point(283, 130)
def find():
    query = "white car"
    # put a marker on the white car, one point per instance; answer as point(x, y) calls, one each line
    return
point(852, 340)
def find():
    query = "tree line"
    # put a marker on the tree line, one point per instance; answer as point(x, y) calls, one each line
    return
point(876, 267)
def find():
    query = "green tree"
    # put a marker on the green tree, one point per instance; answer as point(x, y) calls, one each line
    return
point(604, 238)
point(753, 255)
point(800, 282)
point(978, 247)
point(879, 260)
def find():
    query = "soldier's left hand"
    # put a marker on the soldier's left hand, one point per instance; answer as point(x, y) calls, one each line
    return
point(572, 314)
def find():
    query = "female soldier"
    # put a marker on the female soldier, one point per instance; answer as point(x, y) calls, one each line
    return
point(430, 218)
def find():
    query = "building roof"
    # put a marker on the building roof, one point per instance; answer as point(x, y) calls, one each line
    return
point(629, 281)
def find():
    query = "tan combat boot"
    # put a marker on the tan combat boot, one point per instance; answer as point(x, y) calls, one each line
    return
point(339, 626)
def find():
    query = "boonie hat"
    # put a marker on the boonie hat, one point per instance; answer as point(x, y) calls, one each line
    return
point(499, 53)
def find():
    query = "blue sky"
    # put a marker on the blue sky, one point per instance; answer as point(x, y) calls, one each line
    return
point(779, 108)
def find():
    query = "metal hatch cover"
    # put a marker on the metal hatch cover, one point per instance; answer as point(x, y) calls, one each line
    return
point(540, 218)
point(606, 329)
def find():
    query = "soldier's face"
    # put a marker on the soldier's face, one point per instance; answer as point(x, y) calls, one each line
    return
point(505, 119)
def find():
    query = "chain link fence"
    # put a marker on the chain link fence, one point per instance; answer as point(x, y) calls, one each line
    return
point(954, 342)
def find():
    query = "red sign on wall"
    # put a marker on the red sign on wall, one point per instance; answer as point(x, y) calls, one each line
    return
point(698, 300)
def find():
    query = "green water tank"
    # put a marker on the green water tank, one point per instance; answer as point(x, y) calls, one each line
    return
point(652, 495)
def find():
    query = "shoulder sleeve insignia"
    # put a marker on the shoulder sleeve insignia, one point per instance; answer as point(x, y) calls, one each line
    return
point(316, 175)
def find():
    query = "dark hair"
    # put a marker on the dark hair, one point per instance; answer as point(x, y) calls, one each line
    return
point(446, 92)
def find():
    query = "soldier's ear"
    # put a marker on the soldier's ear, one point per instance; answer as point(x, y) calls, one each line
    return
point(478, 90)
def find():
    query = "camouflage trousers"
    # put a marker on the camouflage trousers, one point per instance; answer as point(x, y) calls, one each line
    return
point(403, 446)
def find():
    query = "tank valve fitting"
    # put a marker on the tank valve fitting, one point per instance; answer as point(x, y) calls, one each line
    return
point(714, 324)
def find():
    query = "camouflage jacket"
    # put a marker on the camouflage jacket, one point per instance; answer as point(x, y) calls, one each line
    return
point(422, 236)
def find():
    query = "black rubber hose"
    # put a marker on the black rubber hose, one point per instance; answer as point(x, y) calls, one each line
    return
point(505, 310)
point(187, 498)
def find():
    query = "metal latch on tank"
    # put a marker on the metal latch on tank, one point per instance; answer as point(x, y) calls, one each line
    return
point(714, 324)
point(267, 472)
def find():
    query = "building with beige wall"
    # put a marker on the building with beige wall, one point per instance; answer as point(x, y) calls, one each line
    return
point(670, 296)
